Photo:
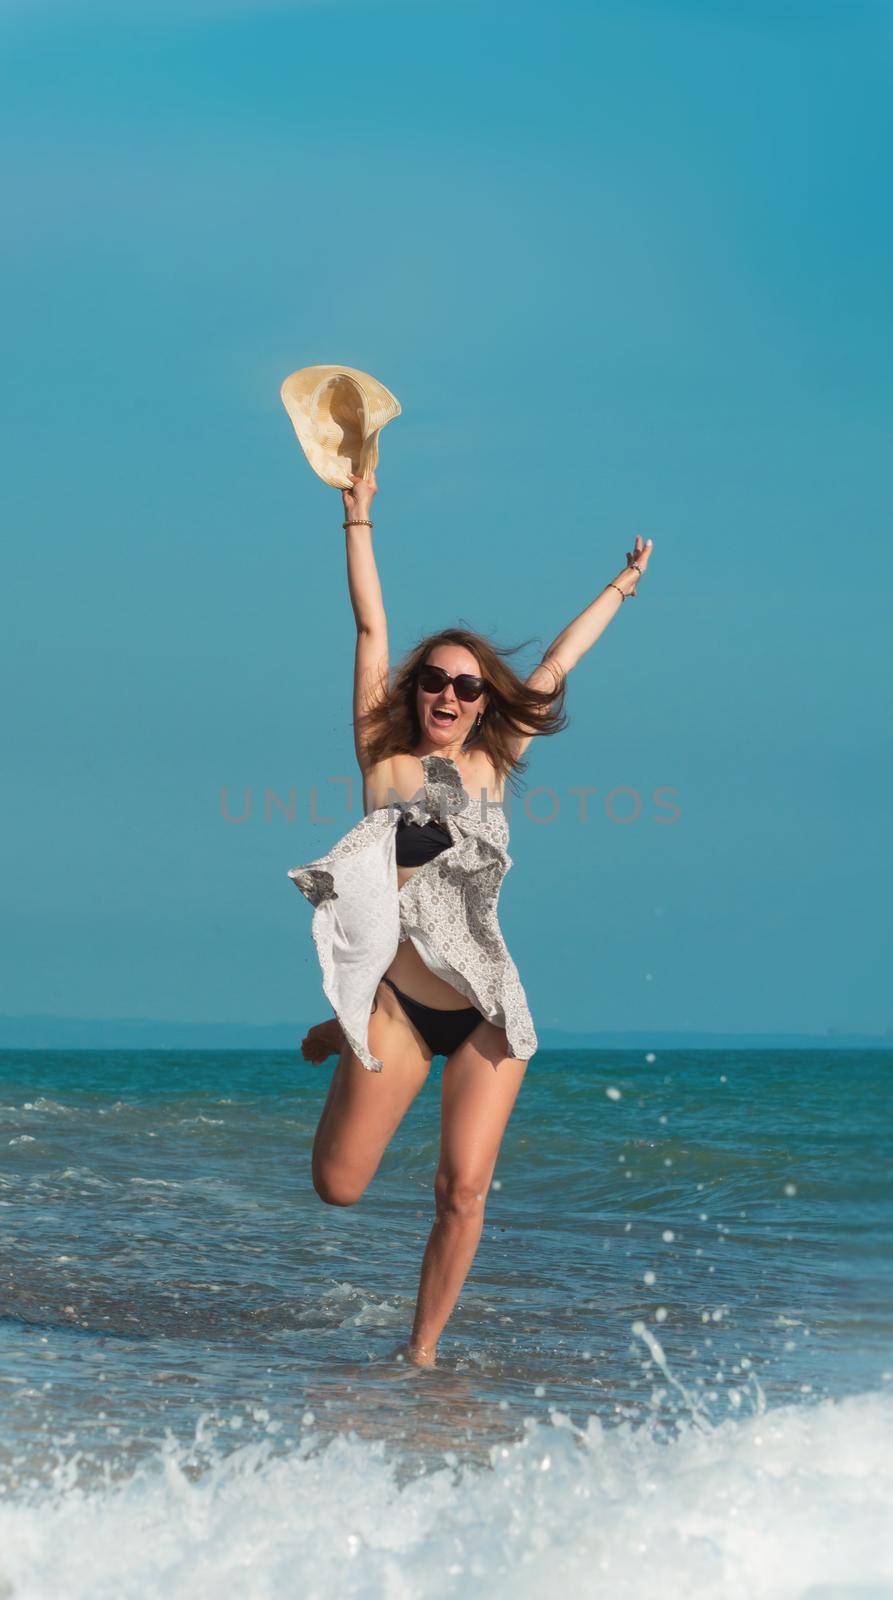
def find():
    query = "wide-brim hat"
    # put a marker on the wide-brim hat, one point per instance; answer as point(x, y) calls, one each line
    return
point(338, 413)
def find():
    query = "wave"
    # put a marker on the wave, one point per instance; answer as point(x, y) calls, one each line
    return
point(795, 1503)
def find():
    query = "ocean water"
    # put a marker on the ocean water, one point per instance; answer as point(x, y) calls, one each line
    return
point(670, 1372)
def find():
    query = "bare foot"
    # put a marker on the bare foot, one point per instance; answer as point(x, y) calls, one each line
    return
point(324, 1040)
point(420, 1355)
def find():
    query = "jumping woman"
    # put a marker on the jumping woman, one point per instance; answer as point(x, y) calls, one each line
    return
point(405, 922)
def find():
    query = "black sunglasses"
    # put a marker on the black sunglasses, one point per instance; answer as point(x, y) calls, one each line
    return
point(466, 685)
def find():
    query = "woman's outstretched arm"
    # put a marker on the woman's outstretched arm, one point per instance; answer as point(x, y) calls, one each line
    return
point(370, 676)
point(580, 635)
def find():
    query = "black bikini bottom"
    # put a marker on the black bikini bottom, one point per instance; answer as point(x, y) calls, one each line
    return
point(442, 1031)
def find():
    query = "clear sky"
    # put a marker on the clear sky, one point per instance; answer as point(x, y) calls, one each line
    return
point(627, 267)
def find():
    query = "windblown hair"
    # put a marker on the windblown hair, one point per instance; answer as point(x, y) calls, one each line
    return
point(392, 726)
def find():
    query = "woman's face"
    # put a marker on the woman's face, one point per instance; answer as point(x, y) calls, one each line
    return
point(445, 720)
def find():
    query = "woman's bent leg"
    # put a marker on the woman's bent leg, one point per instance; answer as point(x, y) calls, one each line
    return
point(363, 1109)
point(480, 1086)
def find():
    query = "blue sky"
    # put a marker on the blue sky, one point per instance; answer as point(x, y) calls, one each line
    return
point(627, 268)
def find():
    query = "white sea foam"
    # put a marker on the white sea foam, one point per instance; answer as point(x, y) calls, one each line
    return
point(794, 1504)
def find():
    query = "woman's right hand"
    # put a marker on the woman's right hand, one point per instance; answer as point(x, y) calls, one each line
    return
point(358, 499)
point(322, 1041)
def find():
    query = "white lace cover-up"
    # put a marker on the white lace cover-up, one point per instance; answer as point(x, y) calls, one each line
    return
point(448, 908)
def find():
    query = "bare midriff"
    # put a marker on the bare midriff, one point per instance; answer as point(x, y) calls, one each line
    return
point(407, 969)
point(410, 974)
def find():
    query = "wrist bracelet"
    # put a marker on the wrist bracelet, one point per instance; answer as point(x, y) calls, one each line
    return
point(358, 522)
point(618, 588)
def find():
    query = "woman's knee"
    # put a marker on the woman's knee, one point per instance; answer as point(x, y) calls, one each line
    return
point(460, 1195)
point(335, 1188)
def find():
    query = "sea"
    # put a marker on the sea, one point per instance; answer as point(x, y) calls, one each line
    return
point(669, 1373)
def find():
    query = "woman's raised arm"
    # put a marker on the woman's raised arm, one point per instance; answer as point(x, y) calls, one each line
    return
point(370, 678)
point(580, 634)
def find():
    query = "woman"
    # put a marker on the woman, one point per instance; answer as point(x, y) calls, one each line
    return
point(405, 922)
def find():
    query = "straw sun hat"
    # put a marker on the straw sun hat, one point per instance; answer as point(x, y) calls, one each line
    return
point(337, 414)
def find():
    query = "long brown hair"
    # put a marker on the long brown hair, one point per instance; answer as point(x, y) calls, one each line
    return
point(513, 707)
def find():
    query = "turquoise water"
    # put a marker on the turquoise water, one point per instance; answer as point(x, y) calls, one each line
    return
point(671, 1366)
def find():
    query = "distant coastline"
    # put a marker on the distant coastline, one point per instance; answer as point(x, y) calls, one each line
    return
point(135, 1033)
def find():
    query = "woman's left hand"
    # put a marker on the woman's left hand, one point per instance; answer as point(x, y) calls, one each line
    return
point(640, 553)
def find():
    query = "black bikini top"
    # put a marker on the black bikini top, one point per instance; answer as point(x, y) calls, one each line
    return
point(420, 842)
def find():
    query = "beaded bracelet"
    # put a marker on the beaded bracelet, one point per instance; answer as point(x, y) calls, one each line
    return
point(358, 522)
point(631, 566)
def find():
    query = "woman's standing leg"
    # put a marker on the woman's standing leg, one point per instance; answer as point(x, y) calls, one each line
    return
point(480, 1086)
